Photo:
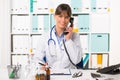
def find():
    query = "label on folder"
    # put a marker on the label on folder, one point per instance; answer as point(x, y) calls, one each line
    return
point(60, 72)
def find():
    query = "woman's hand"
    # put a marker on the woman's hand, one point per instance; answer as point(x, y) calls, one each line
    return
point(69, 30)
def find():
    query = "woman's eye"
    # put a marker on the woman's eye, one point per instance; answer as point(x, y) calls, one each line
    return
point(67, 17)
point(60, 16)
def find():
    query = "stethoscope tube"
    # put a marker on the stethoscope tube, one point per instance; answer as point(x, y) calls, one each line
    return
point(68, 54)
point(63, 44)
point(51, 37)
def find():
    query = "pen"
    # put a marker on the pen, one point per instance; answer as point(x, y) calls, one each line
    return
point(42, 64)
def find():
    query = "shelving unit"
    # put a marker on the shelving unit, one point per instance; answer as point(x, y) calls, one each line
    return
point(31, 18)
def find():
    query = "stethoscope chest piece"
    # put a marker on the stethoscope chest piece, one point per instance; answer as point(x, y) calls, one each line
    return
point(52, 47)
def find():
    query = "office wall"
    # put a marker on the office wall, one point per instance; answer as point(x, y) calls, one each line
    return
point(5, 26)
point(4, 33)
point(115, 32)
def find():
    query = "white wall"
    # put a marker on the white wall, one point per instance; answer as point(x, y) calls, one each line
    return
point(115, 32)
point(5, 26)
point(4, 33)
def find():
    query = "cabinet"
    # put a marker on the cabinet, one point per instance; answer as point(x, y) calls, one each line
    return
point(31, 18)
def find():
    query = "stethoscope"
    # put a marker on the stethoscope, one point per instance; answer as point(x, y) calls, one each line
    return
point(54, 43)
point(51, 39)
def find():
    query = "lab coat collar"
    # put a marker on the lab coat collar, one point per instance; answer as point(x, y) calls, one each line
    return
point(62, 34)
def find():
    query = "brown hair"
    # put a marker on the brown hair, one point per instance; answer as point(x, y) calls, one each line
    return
point(63, 7)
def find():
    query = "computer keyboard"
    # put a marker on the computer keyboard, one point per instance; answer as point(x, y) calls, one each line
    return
point(114, 69)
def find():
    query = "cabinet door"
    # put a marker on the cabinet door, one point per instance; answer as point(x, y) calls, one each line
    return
point(99, 42)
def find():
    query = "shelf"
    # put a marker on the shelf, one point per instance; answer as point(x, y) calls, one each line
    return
point(19, 34)
point(28, 25)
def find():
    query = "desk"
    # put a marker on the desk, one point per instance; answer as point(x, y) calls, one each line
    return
point(86, 75)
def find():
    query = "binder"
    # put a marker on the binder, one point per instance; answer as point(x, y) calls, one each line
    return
point(84, 42)
point(52, 20)
point(105, 60)
point(94, 61)
point(86, 7)
point(99, 60)
point(20, 24)
point(83, 22)
point(53, 4)
point(100, 23)
point(41, 6)
point(46, 23)
point(76, 5)
point(43, 23)
point(20, 6)
point(35, 39)
point(93, 5)
point(40, 23)
point(14, 60)
point(100, 42)
point(75, 28)
point(19, 59)
point(57, 2)
point(86, 61)
point(35, 23)
point(20, 44)
point(103, 6)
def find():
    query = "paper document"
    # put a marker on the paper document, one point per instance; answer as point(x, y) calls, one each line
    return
point(60, 72)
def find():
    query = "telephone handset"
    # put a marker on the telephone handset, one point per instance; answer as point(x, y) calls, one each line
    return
point(69, 25)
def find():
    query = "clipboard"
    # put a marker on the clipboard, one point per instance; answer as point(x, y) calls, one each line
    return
point(60, 72)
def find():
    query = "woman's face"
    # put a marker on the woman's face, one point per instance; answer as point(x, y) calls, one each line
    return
point(62, 20)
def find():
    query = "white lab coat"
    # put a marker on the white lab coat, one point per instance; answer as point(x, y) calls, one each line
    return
point(59, 60)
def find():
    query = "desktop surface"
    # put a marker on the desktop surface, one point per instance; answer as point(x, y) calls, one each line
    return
point(86, 75)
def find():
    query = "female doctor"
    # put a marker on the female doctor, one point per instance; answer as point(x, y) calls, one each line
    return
point(50, 45)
